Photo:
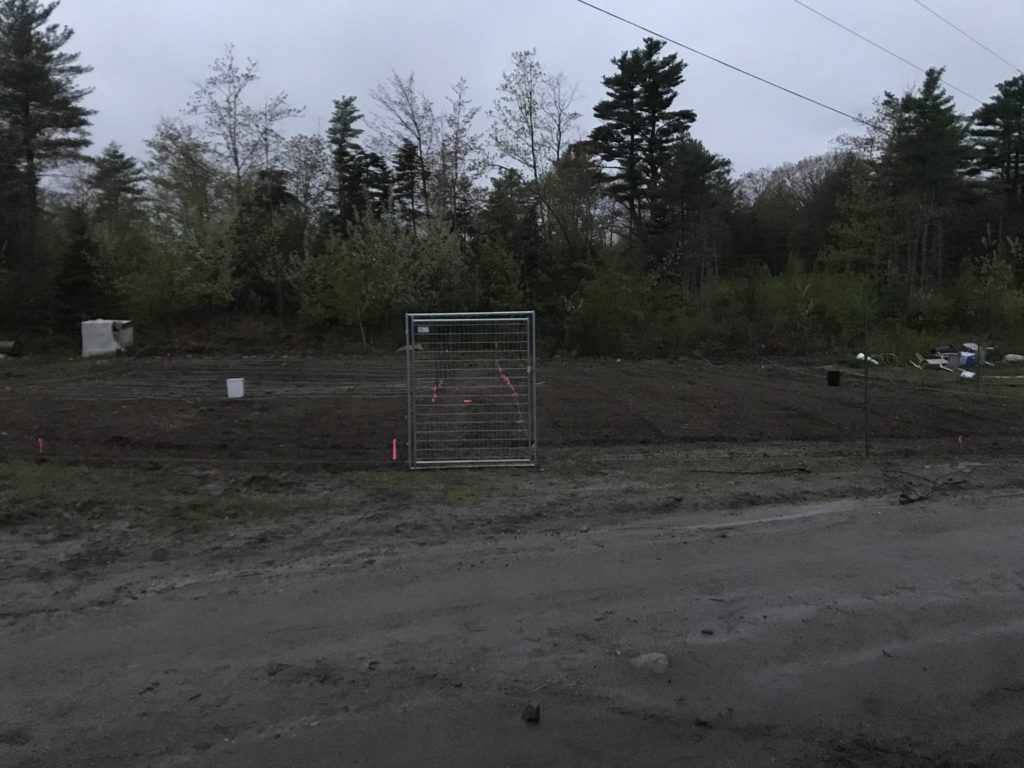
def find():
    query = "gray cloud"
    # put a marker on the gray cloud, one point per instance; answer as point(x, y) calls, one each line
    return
point(147, 54)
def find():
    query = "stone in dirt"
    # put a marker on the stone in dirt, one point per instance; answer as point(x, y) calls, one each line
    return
point(531, 712)
point(650, 662)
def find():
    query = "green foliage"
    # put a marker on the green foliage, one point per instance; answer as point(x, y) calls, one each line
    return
point(499, 278)
point(374, 277)
point(611, 317)
point(638, 241)
point(443, 280)
point(311, 276)
point(813, 309)
point(80, 294)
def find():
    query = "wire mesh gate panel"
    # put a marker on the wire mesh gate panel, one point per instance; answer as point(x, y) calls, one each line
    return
point(472, 389)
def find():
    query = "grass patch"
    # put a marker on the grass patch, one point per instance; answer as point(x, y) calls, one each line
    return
point(31, 490)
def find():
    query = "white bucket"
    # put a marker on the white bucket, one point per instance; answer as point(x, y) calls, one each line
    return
point(236, 388)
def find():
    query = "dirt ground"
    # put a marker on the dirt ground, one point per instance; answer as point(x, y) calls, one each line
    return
point(187, 581)
point(342, 413)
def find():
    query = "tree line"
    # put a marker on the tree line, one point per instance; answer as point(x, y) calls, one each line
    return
point(633, 238)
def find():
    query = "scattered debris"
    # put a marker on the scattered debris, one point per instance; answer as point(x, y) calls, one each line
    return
point(650, 662)
point(966, 360)
point(930, 363)
point(531, 712)
point(273, 668)
point(10, 349)
point(1013, 359)
point(708, 632)
point(911, 496)
point(17, 737)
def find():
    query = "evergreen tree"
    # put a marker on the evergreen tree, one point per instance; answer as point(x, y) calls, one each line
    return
point(269, 229)
point(698, 198)
point(347, 159)
point(117, 182)
point(577, 211)
point(42, 122)
point(913, 188)
point(639, 130)
point(998, 134)
point(408, 200)
point(377, 184)
point(78, 292)
point(510, 222)
point(922, 167)
point(119, 227)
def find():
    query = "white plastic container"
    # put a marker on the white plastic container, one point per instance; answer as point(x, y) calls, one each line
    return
point(236, 388)
point(107, 337)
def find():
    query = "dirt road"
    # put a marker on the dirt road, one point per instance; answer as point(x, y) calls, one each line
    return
point(843, 629)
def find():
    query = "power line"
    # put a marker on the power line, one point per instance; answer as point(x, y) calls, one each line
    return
point(972, 39)
point(733, 67)
point(882, 48)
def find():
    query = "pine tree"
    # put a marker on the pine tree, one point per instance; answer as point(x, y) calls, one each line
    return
point(78, 291)
point(698, 198)
point(921, 167)
point(998, 135)
point(376, 192)
point(42, 120)
point(117, 181)
point(408, 200)
point(639, 130)
point(347, 159)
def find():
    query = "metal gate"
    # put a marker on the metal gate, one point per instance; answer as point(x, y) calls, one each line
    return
point(472, 389)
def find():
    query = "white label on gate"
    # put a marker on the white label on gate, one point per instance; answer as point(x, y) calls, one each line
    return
point(422, 329)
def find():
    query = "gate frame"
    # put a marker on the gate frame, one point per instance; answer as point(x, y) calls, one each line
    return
point(411, 319)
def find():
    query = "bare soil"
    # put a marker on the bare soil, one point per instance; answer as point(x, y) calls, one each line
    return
point(188, 581)
point(344, 412)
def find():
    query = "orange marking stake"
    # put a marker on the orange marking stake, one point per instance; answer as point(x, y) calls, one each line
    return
point(39, 444)
point(467, 402)
point(394, 449)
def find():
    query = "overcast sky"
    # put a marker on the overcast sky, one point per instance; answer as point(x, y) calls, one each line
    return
point(147, 55)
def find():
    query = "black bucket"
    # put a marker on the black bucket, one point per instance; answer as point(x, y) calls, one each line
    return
point(832, 377)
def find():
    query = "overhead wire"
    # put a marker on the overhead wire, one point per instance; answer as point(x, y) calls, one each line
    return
point(974, 40)
point(766, 81)
point(882, 48)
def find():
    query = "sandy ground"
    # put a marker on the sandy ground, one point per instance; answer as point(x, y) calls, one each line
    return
point(165, 617)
